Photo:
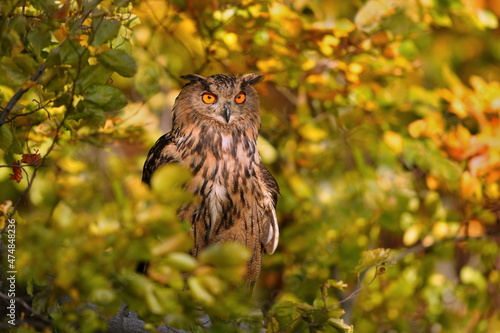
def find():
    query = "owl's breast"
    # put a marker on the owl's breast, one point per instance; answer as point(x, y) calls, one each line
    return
point(224, 168)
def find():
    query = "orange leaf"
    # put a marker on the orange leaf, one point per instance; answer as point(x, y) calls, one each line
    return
point(470, 186)
point(18, 174)
point(457, 143)
point(473, 228)
point(432, 183)
point(62, 12)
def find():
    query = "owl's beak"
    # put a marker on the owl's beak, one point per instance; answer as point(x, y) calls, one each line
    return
point(226, 113)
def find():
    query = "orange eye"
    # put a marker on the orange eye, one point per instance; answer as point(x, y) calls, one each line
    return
point(208, 98)
point(240, 98)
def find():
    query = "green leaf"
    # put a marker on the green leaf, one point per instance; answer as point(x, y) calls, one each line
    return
point(19, 24)
point(70, 52)
point(48, 6)
point(170, 179)
point(8, 140)
point(470, 275)
point(25, 63)
point(225, 254)
point(119, 61)
point(181, 261)
point(10, 75)
point(93, 75)
point(103, 30)
point(121, 3)
point(107, 97)
point(199, 291)
point(39, 40)
point(6, 137)
point(92, 113)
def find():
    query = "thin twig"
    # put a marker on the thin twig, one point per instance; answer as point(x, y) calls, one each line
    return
point(36, 77)
point(40, 107)
point(26, 306)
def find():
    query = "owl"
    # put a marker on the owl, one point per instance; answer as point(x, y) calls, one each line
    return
point(214, 133)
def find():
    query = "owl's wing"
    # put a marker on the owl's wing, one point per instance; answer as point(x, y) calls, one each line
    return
point(161, 153)
point(270, 231)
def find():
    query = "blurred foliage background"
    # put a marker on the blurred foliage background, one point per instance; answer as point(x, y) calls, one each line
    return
point(380, 121)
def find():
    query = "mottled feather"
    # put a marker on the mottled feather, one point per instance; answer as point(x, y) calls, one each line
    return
point(217, 142)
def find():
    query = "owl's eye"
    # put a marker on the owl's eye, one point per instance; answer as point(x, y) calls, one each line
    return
point(240, 98)
point(208, 98)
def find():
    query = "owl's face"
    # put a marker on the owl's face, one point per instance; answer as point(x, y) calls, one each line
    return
point(220, 98)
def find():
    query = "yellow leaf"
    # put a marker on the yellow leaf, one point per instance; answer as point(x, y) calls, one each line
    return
point(412, 235)
point(343, 27)
point(308, 64)
point(71, 165)
point(394, 141)
point(355, 68)
point(231, 40)
point(269, 65)
point(313, 133)
point(459, 108)
point(470, 186)
point(492, 191)
point(328, 44)
point(268, 153)
point(440, 230)
point(417, 128)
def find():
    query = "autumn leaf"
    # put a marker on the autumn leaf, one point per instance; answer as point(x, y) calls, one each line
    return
point(470, 186)
point(431, 182)
point(32, 159)
point(17, 175)
point(394, 141)
point(473, 228)
point(4, 208)
point(417, 128)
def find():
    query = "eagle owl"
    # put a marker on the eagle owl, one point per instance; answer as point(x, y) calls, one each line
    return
point(214, 132)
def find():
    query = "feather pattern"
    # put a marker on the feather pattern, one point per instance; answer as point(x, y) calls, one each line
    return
point(237, 194)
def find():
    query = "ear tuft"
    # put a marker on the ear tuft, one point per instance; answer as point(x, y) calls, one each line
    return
point(251, 79)
point(193, 78)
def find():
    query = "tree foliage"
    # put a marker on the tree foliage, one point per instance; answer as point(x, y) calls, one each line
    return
point(380, 123)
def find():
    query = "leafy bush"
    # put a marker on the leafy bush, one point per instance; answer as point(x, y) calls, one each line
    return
point(380, 122)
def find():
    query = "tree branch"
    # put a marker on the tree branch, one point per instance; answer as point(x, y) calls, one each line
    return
point(27, 307)
point(17, 96)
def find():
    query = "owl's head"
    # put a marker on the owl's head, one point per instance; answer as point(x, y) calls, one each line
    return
point(221, 99)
